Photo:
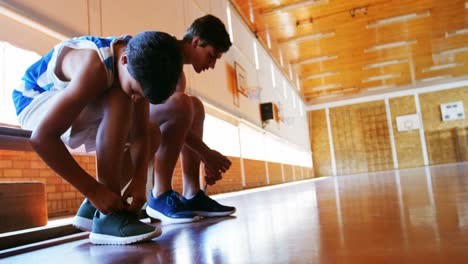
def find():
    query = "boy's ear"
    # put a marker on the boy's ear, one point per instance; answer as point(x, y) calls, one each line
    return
point(196, 41)
point(124, 58)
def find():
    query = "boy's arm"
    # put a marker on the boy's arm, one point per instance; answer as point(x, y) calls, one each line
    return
point(88, 80)
point(213, 160)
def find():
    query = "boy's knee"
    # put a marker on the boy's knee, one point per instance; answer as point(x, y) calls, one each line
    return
point(198, 108)
point(181, 108)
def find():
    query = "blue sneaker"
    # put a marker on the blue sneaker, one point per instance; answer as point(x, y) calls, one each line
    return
point(121, 228)
point(204, 206)
point(168, 208)
point(84, 217)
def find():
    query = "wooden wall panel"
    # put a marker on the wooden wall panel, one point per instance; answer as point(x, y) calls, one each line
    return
point(462, 143)
point(288, 173)
point(442, 140)
point(275, 172)
point(255, 173)
point(360, 138)
point(319, 143)
point(407, 143)
point(298, 173)
point(430, 108)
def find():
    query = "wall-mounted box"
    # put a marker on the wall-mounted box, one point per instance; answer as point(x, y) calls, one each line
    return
point(452, 111)
point(407, 122)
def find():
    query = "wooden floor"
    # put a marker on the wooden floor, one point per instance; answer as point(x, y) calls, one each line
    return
point(407, 216)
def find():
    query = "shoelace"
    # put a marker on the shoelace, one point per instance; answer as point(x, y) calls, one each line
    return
point(174, 200)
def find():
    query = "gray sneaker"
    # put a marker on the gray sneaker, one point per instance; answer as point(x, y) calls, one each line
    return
point(84, 217)
point(121, 228)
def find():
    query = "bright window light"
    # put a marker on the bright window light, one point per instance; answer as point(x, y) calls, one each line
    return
point(228, 11)
point(273, 75)
point(252, 142)
point(18, 60)
point(221, 136)
point(257, 65)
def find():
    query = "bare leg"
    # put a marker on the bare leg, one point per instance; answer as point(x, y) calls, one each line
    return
point(174, 118)
point(190, 159)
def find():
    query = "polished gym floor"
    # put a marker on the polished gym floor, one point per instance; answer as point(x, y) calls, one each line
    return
point(406, 216)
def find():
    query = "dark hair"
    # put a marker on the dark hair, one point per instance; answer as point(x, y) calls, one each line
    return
point(155, 61)
point(211, 31)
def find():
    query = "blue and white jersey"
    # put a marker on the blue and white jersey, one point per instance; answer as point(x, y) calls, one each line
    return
point(40, 76)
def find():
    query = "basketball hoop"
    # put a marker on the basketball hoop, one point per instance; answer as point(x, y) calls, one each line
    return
point(253, 92)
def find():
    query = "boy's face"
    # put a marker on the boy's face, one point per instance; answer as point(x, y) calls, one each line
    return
point(205, 57)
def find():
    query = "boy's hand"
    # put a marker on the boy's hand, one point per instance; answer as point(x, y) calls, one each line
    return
point(136, 190)
point(105, 200)
point(212, 177)
point(216, 163)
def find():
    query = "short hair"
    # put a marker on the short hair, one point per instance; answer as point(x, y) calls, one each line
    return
point(155, 61)
point(211, 31)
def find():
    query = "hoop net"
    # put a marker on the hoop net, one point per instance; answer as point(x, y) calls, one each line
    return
point(253, 92)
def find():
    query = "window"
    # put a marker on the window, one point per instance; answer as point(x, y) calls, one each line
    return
point(221, 136)
point(14, 61)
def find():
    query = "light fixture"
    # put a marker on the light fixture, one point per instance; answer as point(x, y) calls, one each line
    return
point(453, 51)
point(251, 13)
point(381, 87)
point(442, 66)
point(316, 59)
point(281, 57)
point(307, 37)
point(358, 10)
point(381, 77)
point(304, 22)
point(320, 75)
point(396, 19)
point(288, 7)
point(441, 77)
point(325, 87)
point(456, 32)
point(384, 63)
point(466, 5)
point(268, 39)
point(390, 45)
point(327, 95)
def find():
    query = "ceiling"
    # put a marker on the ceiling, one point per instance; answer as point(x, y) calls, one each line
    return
point(339, 48)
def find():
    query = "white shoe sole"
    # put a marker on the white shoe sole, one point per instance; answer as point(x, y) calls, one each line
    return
point(168, 220)
point(214, 214)
point(82, 223)
point(101, 239)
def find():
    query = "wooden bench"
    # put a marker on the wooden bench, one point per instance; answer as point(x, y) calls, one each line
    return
point(23, 202)
point(15, 139)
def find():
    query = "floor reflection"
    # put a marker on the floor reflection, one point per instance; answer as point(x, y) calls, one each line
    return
point(406, 216)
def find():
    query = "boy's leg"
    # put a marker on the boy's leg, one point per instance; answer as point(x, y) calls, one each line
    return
point(174, 118)
point(113, 162)
point(194, 198)
point(190, 159)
